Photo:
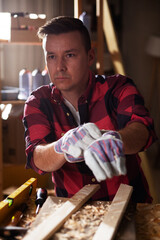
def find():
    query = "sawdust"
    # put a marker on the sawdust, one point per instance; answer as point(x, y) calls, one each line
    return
point(83, 224)
point(148, 222)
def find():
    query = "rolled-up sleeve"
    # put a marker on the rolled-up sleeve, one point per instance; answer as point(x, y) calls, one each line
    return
point(131, 108)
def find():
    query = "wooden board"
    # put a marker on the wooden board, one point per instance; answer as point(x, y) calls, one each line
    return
point(50, 206)
point(112, 218)
point(56, 219)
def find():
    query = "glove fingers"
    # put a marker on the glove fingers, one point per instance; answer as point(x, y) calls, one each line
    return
point(120, 159)
point(106, 166)
point(91, 162)
point(99, 153)
point(93, 130)
point(87, 140)
point(71, 159)
point(73, 150)
point(120, 166)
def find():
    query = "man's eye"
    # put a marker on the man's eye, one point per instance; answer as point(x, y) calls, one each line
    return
point(69, 55)
point(51, 57)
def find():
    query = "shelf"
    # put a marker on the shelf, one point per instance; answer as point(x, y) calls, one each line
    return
point(21, 43)
point(13, 102)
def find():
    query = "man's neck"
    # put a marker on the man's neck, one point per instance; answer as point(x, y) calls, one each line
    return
point(72, 98)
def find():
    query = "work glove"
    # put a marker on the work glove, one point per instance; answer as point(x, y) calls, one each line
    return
point(76, 140)
point(105, 156)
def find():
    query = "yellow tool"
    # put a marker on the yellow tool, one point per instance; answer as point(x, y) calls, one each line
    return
point(15, 199)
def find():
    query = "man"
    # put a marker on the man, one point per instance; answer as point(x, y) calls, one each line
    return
point(84, 128)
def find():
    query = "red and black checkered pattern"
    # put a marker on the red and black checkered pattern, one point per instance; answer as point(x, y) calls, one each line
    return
point(111, 103)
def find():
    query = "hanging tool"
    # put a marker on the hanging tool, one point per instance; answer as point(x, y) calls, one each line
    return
point(41, 197)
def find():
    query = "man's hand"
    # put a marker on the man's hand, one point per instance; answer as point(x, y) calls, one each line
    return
point(76, 140)
point(105, 156)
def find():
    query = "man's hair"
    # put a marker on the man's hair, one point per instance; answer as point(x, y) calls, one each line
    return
point(65, 24)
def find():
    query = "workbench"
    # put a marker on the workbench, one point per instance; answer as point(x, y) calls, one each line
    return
point(83, 224)
point(80, 218)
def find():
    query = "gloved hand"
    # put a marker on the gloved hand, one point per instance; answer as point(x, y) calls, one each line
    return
point(76, 140)
point(105, 156)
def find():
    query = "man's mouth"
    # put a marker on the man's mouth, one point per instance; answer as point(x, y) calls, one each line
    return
point(61, 77)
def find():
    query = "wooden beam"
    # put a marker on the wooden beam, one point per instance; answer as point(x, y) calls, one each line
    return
point(112, 218)
point(112, 40)
point(77, 8)
point(100, 37)
point(56, 219)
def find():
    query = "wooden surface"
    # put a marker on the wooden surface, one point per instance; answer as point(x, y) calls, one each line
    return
point(112, 218)
point(111, 39)
point(83, 224)
point(148, 221)
point(56, 219)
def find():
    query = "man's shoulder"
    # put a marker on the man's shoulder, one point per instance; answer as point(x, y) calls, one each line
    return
point(112, 80)
point(43, 92)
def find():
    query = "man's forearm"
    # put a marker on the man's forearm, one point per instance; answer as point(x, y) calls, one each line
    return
point(46, 159)
point(134, 137)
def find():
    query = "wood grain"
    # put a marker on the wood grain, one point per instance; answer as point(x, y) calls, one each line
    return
point(56, 219)
point(112, 218)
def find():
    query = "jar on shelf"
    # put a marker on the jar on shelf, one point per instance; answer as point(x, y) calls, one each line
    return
point(45, 75)
point(37, 79)
point(25, 84)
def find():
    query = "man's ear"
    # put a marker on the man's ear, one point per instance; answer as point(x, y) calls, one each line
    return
point(91, 56)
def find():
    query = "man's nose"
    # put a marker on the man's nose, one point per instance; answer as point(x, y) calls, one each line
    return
point(61, 65)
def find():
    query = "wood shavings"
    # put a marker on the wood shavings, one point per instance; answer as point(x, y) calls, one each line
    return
point(83, 224)
point(148, 221)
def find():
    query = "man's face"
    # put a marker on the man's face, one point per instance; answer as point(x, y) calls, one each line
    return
point(67, 61)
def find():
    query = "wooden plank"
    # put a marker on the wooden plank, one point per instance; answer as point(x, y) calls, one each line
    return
point(47, 208)
point(127, 228)
point(112, 218)
point(111, 39)
point(56, 219)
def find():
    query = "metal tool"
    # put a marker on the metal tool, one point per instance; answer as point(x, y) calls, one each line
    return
point(41, 197)
point(12, 231)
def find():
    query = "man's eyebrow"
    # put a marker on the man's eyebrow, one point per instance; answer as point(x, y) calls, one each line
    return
point(50, 53)
point(72, 50)
point(67, 51)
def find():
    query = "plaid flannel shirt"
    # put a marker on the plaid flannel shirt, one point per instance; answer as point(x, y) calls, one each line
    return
point(111, 103)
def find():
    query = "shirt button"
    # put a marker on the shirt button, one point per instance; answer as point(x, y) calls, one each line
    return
point(93, 179)
point(67, 114)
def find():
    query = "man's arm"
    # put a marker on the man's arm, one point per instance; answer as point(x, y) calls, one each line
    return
point(50, 157)
point(134, 137)
point(46, 159)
